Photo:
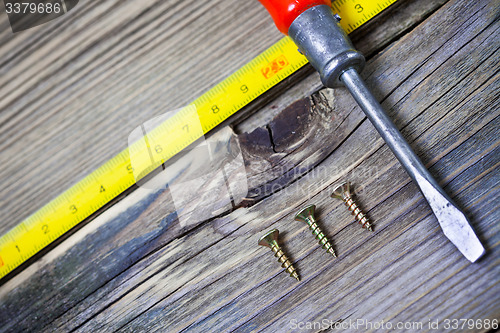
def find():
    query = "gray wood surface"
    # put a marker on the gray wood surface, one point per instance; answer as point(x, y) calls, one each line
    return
point(433, 64)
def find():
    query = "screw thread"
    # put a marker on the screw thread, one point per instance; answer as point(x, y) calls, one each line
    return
point(285, 263)
point(358, 214)
point(320, 236)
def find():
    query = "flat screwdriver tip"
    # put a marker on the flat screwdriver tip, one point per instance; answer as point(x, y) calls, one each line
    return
point(454, 223)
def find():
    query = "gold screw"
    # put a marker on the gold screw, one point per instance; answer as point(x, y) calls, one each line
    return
point(271, 241)
point(307, 215)
point(343, 193)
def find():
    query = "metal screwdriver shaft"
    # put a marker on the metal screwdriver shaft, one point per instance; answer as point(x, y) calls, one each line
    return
point(453, 222)
point(312, 25)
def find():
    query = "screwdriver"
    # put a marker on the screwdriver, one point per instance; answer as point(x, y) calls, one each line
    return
point(315, 29)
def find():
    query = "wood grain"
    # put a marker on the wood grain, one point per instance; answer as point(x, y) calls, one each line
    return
point(136, 268)
point(68, 104)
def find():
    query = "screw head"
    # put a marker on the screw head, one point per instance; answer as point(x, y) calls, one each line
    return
point(306, 214)
point(340, 191)
point(270, 239)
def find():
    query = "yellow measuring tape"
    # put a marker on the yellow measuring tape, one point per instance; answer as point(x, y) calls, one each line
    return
point(209, 110)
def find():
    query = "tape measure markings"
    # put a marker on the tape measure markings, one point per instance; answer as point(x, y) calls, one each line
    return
point(117, 174)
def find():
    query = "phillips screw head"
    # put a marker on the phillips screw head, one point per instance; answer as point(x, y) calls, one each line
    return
point(344, 193)
point(306, 215)
point(270, 240)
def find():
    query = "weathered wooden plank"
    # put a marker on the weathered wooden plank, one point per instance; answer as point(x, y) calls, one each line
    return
point(118, 259)
point(344, 300)
point(139, 322)
point(181, 288)
point(120, 64)
point(374, 299)
point(480, 98)
point(117, 65)
point(336, 293)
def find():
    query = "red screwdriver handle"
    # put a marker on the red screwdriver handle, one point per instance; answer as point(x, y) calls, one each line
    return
point(284, 12)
